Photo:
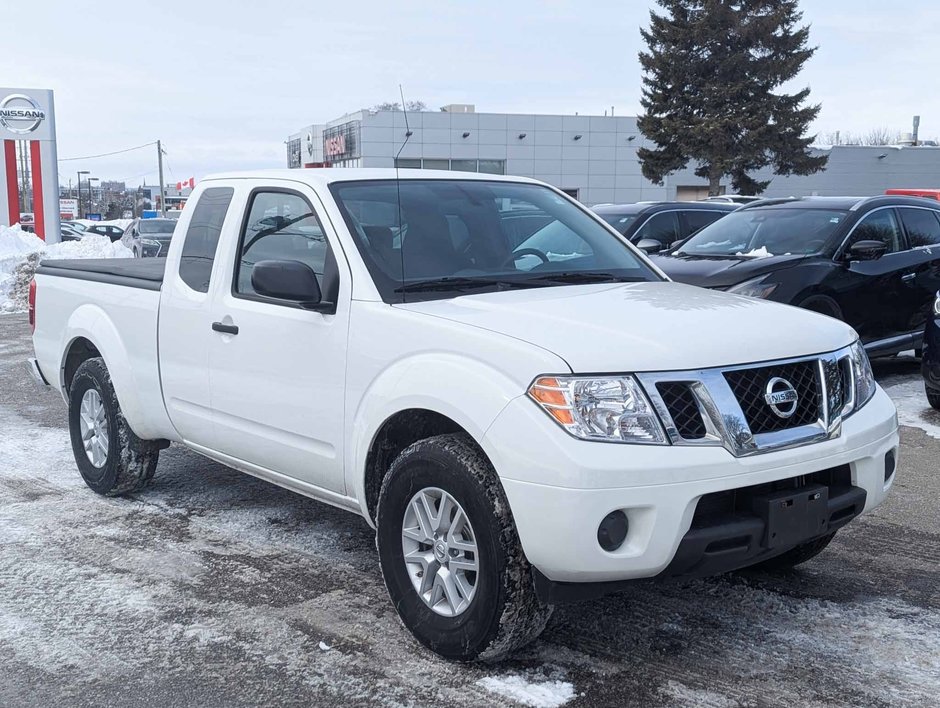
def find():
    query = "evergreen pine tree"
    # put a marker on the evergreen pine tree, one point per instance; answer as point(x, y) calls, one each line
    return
point(710, 73)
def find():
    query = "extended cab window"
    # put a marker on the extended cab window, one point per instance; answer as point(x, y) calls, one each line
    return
point(202, 237)
point(922, 226)
point(663, 227)
point(281, 226)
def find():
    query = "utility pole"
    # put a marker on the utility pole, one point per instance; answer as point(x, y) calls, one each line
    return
point(162, 189)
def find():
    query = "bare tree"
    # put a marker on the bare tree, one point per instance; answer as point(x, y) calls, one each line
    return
point(396, 106)
point(880, 136)
point(875, 136)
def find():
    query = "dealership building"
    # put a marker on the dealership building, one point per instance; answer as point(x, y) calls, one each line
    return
point(592, 158)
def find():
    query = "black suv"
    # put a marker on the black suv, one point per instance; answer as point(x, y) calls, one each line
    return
point(661, 224)
point(872, 262)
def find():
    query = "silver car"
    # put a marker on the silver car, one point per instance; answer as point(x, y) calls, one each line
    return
point(149, 238)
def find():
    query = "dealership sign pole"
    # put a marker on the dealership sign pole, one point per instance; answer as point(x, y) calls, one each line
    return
point(27, 125)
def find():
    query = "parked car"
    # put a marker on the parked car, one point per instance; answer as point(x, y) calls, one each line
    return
point(661, 224)
point(110, 230)
point(872, 262)
point(69, 232)
point(930, 364)
point(377, 344)
point(149, 238)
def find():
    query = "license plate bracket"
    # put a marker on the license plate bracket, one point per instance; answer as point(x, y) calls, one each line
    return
point(792, 516)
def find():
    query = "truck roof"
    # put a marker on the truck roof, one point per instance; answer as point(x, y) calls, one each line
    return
point(323, 176)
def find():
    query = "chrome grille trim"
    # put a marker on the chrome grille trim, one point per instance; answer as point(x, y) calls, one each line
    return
point(724, 419)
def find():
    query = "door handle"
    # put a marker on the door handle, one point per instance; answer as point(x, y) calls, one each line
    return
point(908, 277)
point(225, 328)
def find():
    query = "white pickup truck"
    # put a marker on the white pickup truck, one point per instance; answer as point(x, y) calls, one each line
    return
point(524, 407)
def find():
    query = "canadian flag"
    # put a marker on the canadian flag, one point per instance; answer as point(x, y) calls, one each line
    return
point(191, 183)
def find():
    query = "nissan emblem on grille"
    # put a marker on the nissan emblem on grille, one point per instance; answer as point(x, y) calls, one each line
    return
point(781, 397)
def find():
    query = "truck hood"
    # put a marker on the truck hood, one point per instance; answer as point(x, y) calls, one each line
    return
point(712, 272)
point(632, 327)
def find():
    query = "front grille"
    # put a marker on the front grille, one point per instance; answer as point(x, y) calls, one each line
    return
point(683, 408)
point(749, 387)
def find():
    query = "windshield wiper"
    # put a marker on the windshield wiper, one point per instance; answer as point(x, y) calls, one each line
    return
point(576, 277)
point(459, 283)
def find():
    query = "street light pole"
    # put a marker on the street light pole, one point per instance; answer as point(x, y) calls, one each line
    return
point(80, 173)
point(162, 189)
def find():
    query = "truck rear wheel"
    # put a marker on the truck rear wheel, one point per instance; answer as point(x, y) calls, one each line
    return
point(110, 457)
point(795, 556)
point(450, 554)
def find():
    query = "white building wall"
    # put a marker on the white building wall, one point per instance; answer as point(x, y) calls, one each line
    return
point(602, 165)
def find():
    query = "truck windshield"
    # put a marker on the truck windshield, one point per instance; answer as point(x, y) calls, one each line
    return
point(755, 233)
point(423, 239)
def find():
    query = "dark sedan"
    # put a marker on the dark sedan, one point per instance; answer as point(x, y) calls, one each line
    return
point(872, 262)
point(661, 224)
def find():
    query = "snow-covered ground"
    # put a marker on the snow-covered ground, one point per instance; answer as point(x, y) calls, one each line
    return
point(21, 253)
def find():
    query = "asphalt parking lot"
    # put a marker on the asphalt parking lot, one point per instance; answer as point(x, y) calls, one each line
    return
point(211, 588)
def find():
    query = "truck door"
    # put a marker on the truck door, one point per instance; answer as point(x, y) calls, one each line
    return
point(185, 315)
point(277, 371)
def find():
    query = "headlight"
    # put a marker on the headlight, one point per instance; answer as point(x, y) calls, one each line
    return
point(149, 246)
point(754, 288)
point(608, 409)
point(936, 305)
point(863, 378)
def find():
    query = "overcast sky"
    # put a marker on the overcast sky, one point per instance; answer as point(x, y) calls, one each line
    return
point(224, 83)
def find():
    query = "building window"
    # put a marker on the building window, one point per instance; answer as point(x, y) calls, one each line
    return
point(436, 164)
point(491, 167)
point(463, 165)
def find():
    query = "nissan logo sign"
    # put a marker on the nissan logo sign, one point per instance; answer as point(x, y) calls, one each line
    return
point(20, 114)
point(335, 145)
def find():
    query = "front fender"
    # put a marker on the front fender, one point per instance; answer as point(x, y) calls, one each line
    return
point(469, 392)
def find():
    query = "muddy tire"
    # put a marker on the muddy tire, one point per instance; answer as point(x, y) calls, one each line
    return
point(795, 556)
point(933, 398)
point(450, 554)
point(110, 457)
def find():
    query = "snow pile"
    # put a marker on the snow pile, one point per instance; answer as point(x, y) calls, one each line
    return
point(21, 253)
point(529, 692)
point(761, 252)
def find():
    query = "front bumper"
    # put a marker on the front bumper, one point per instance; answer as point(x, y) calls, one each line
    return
point(560, 488)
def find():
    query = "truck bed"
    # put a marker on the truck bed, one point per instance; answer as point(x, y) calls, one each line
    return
point(144, 273)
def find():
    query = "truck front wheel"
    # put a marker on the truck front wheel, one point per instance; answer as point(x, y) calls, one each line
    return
point(110, 457)
point(450, 554)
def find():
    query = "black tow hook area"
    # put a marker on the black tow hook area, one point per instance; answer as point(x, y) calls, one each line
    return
point(777, 522)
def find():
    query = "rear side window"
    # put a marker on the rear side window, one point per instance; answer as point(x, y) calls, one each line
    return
point(202, 237)
point(699, 219)
point(663, 227)
point(922, 226)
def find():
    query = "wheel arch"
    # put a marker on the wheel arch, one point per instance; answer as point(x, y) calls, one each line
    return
point(90, 332)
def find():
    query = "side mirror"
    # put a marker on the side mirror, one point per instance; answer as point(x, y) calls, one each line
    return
point(866, 250)
point(289, 280)
point(649, 245)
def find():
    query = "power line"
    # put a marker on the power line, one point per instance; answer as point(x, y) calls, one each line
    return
point(107, 154)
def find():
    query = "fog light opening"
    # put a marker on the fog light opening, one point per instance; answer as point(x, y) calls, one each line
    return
point(889, 465)
point(613, 531)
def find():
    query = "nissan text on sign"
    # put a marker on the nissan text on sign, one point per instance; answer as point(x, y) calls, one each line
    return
point(27, 127)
